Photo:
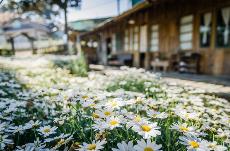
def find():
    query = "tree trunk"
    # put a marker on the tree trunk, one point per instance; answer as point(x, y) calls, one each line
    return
point(66, 27)
point(12, 45)
point(34, 51)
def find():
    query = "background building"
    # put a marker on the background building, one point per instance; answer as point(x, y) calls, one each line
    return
point(79, 27)
point(191, 36)
point(19, 34)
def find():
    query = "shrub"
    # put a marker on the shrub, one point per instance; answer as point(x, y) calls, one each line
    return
point(5, 52)
point(76, 66)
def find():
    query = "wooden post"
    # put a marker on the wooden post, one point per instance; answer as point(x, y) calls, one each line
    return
point(11, 40)
point(218, 63)
point(147, 60)
point(136, 59)
point(79, 50)
point(34, 51)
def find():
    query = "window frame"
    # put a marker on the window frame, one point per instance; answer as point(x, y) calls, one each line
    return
point(182, 24)
point(212, 28)
point(216, 30)
point(155, 38)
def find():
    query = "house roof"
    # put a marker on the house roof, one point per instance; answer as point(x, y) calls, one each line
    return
point(135, 8)
point(139, 6)
point(87, 24)
point(18, 26)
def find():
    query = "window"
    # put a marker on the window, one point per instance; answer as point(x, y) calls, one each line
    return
point(114, 43)
point(143, 37)
point(126, 40)
point(154, 38)
point(131, 39)
point(135, 40)
point(223, 28)
point(205, 29)
point(186, 29)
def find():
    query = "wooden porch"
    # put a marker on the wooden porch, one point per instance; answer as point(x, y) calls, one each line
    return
point(169, 31)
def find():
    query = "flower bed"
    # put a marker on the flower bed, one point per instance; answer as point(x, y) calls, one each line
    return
point(46, 108)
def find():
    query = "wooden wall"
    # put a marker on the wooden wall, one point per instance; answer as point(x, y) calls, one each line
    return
point(167, 15)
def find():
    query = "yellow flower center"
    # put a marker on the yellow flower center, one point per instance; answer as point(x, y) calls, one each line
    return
point(212, 146)
point(62, 141)
point(154, 115)
point(34, 125)
point(184, 129)
point(186, 115)
point(139, 99)
point(92, 105)
point(148, 149)
point(95, 115)
point(137, 118)
point(107, 113)
point(91, 146)
point(146, 128)
point(113, 122)
point(194, 144)
point(113, 104)
point(46, 130)
point(85, 97)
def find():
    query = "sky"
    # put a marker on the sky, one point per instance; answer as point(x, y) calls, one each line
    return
point(97, 9)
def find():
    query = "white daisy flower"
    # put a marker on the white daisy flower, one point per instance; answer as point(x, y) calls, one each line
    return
point(4, 140)
point(62, 136)
point(105, 113)
point(143, 145)
point(94, 146)
point(155, 114)
point(115, 103)
point(2, 127)
point(88, 103)
point(37, 145)
point(123, 146)
point(63, 141)
point(16, 129)
point(147, 130)
point(184, 128)
point(134, 119)
point(32, 124)
point(186, 115)
point(215, 147)
point(113, 122)
point(223, 133)
point(47, 130)
point(96, 115)
point(99, 125)
point(193, 143)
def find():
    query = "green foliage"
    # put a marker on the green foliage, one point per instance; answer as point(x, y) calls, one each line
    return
point(5, 52)
point(149, 87)
point(128, 85)
point(47, 96)
point(79, 66)
point(76, 66)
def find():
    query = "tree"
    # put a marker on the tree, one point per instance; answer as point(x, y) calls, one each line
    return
point(44, 7)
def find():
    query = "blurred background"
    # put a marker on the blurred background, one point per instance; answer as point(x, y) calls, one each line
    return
point(182, 36)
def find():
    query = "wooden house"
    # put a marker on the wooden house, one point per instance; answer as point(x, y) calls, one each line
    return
point(81, 26)
point(23, 34)
point(172, 33)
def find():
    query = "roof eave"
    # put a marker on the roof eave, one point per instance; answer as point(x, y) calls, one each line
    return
point(136, 8)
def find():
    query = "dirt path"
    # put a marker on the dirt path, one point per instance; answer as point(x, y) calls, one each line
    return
point(211, 85)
